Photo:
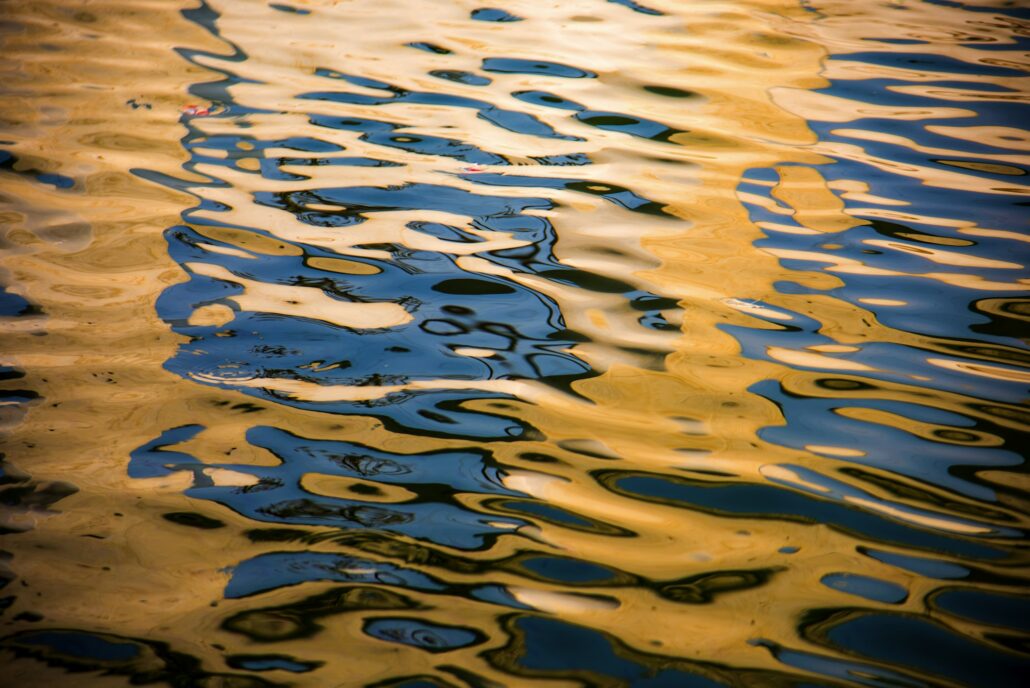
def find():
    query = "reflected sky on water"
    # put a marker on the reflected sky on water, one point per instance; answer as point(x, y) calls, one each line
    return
point(576, 344)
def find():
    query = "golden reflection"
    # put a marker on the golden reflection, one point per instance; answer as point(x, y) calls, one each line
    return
point(262, 297)
point(678, 402)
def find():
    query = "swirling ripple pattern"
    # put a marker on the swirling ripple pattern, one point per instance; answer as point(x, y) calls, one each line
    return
point(547, 344)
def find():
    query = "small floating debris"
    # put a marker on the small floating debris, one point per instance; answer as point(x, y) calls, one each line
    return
point(195, 110)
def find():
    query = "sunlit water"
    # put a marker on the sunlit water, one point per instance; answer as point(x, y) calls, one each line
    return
point(580, 343)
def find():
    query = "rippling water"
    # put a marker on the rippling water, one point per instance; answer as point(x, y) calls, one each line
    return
point(558, 344)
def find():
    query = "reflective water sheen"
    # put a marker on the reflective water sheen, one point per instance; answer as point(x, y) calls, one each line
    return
point(585, 343)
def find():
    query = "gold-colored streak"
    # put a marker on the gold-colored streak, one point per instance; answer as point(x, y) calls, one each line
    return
point(928, 431)
point(996, 136)
point(936, 522)
point(853, 266)
point(930, 176)
point(823, 107)
point(305, 302)
point(982, 369)
point(945, 257)
point(894, 139)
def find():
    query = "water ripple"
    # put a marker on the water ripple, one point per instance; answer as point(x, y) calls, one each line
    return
point(594, 343)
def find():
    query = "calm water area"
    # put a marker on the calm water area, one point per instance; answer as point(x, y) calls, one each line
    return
point(548, 343)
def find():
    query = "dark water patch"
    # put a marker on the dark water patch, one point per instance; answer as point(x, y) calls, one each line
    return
point(511, 65)
point(304, 618)
point(762, 501)
point(547, 99)
point(618, 195)
point(569, 160)
point(277, 494)
point(445, 232)
point(627, 124)
point(493, 14)
point(290, 9)
point(10, 162)
point(982, 606)
point(542, 647)
point(14, 305)
point(999, 330)
point(472, 287)
point(911, 643)
point(637, 7)
point(458, 76)
point(421, 681)
point(271, 168)
point(549, 513)
point(704, 588)
point(271, 662)
point(19, 492)
point(610, 121)
point(897, 41)
point(510, 120)
point(276, 570)
point(854, 672)
point(386, 135)
point(425, 636)
point(193, 520)
point(84, 645)
point(412, 196)
point(823, 423)
point(439, 324)
point(142, 661)
point(57, 180)
point(932, 568)
point(429, 48)
point(582, 652)
point(567, 570)
point(930, 62)
point(865, 586)
point(670, 92)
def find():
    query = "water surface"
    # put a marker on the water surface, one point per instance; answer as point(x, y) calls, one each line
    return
point(556, 344)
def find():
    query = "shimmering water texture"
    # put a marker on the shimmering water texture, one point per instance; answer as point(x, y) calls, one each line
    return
point(585, 343)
